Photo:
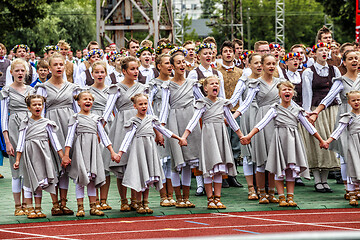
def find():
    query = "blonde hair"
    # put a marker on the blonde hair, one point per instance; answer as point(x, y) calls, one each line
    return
point(146, 43)
point(288, 84)
point(205, 81)
point(77, 97)
point(19, 61)
point(63, 43)
point(99, 63)
point(34, 96)
point(352, 92)
point(56, 55)
point(137, 96)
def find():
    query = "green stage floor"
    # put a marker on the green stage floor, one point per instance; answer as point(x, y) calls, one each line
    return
point(234, 198)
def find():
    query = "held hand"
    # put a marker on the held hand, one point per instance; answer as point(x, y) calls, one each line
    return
point(245, 140)
point(159, 139)
point(120, 155)
point(115, 157)
point(312, 117)
point(324, 144)
point(16, 165)
point(182, 142)
point(9, 149)
point(65, 161)
point(226, 123)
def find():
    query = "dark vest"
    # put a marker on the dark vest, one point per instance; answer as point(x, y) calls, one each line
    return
point(298, 89)
point(113, 78)
point(89, 79)
point(201, 76)
point(28, 78)
point(3, 67)
point(141, 78)
point(321, 86)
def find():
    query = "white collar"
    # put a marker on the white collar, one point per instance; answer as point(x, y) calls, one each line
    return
point(189, 63)
point(142, 68)
point(226, 67)
point(319, 66)
point(201, 67)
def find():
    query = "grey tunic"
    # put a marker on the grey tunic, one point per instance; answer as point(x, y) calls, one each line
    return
point(37, 155)
point(17, 112)
point(86, 161)
point(125, 111)
point(287, 148)
point(352, 149)
point(181, 110)
point(155, 89)
point(267, 96)
point(144, 166)
point(215, 143)
point(59, 108)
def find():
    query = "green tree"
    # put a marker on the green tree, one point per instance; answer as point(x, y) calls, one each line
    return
point(208, 8)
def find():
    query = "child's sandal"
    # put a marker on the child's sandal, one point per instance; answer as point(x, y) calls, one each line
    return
point(104, 205)
point(164, 202)
point(133, 205)
point(19, 211)
point(81, 211)
point(65, 209)
point(352, 199)
point(189, 204)
point(39, 212)
point(95, 211)
point(263, 198)
point(252, 194)
point(124, 206)
point(146, 207)
point(357, 193)
point(172, 201)
point(218, 203)
point(347, 195)
point(32, 214)
point(180, 203)
point(140, 208)
point(290, 200)
point(56, 210)
point(282, 201)
point(272, 198)
point(98, 205)
point(211, 203)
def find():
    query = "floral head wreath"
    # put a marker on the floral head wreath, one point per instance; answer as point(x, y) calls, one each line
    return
point(110, 54)
point(92, 53)
point(319, 45)
point(272, 46)
point(142, 49)
point(163, 46)
point(50, 47)
point(246, 54)
point(291, 55)
point(202, 46)
point(178, 49)
point(117, 55)
point(21, 46)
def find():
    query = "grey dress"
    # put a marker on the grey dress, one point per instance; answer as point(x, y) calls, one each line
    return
point(155, 98)
point(352, 149)
point(86, 160)
point(125, 111)
point(144, 166)
point(287, 147)
point(39, 165)
point(215, 153)
point(17, 112)
point(59, 107)
point(181, 110)
point(267, 96)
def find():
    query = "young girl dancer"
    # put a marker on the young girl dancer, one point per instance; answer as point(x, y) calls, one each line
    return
point(59, 107)
point(349, 123)
point(162, 63)
point(87, 167)
point(144, 166)
point(119, 96)
point(177, 97)
point(317, 81)
point(286, 156)
point(216, 156)
point(341, 86)
point(100, 92)
point(33, 145)
point(13, 111)
point(264, 91)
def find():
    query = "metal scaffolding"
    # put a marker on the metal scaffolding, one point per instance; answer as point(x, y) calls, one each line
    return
point(179, 23)
point(280, 22)
point(114, 18)
point(233, 18)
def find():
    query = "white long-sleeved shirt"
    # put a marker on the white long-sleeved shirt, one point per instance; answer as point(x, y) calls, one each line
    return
point(340, 128)
point(272, 113)
point(81, 80)
point(100, 129)
point(208, 72)
point(238, 92)
point(307, 92)
point(42, 91)
point(5, 114)
point(52, 136)
point(248, 100)
point(165, 101)
point(199, 112)
point(130, 135)
point(147, 72)
point(294, 77)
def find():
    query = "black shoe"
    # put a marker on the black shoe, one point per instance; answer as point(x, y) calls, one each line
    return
point(200, 191)
point(299, 182)
point(225, 184)
point(321, 190)
point(327, 187)
point(233, 182)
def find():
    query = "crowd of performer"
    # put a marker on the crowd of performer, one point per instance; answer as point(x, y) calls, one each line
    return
point(155, 115)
